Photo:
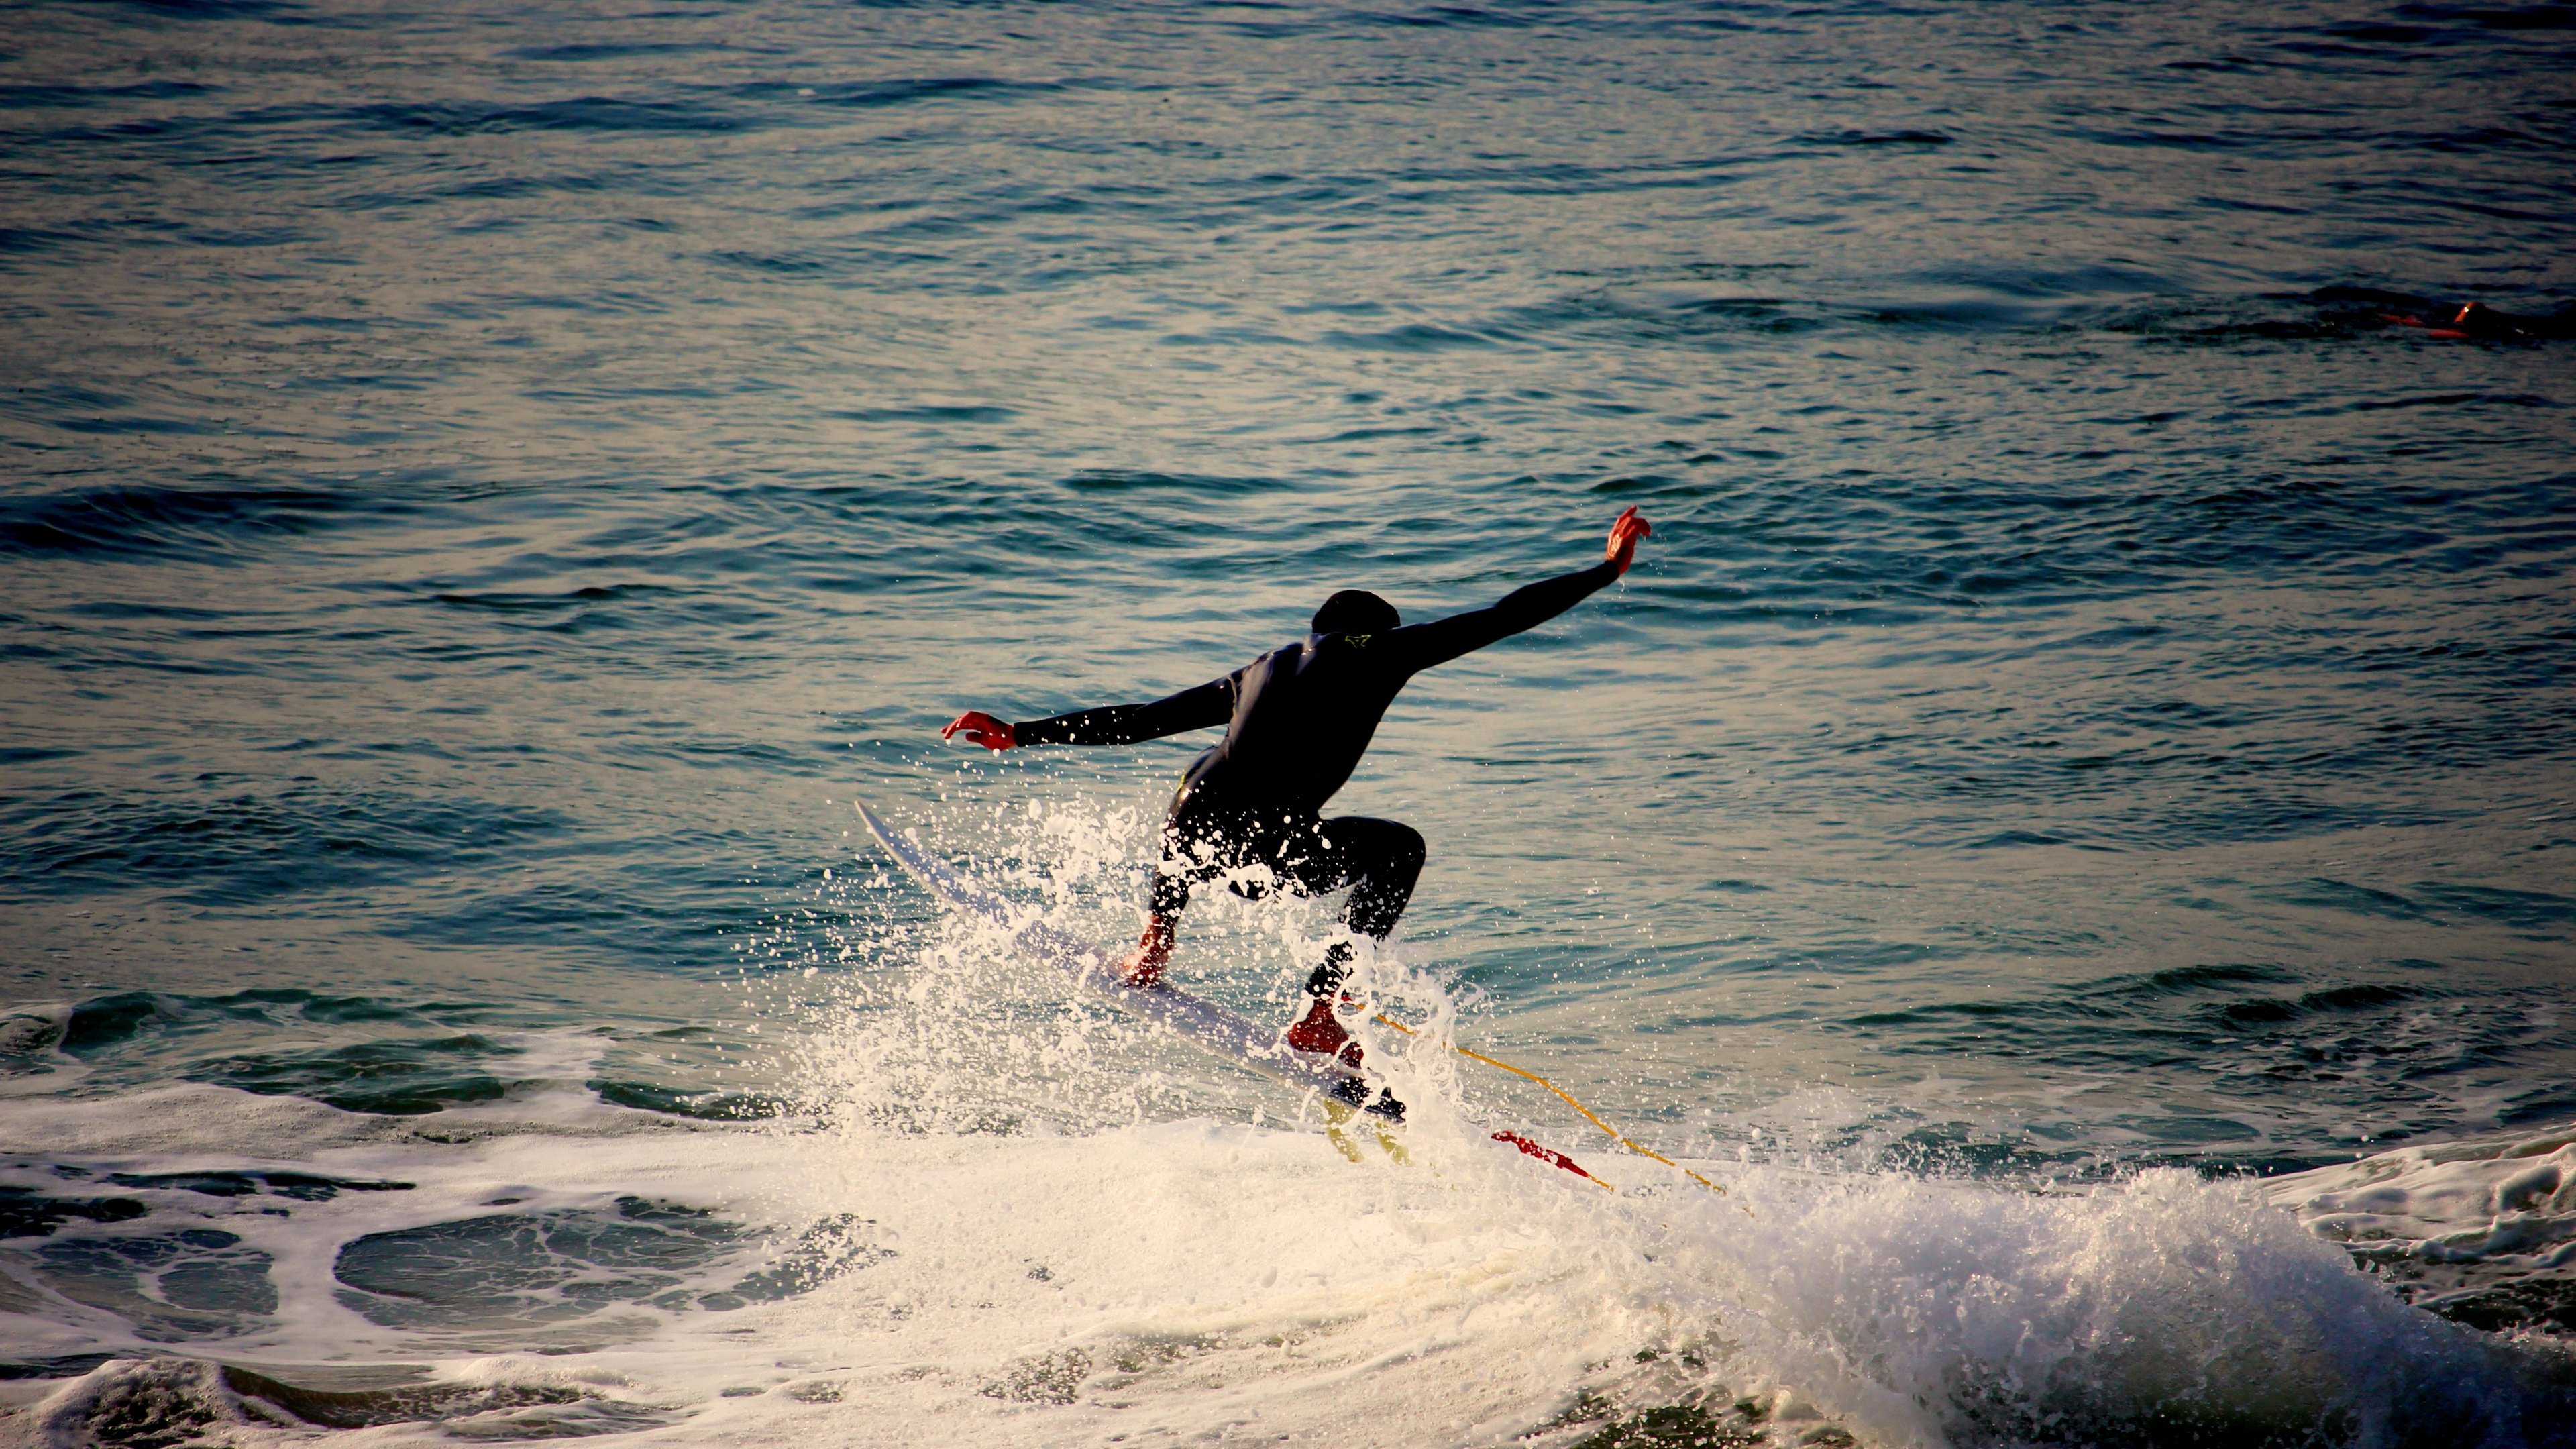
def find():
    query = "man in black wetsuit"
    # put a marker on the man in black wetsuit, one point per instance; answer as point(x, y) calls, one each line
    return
point(1296, 723)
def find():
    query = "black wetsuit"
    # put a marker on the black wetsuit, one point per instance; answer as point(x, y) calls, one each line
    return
point(1297, 721)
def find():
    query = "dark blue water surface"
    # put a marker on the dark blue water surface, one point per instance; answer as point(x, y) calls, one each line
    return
point(485, 486)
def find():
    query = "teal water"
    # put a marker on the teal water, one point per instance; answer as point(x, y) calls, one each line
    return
point(485, 490)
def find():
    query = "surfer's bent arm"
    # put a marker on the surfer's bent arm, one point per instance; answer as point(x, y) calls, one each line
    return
point(1203, 707)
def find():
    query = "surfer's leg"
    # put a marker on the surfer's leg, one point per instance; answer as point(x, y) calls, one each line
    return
point(1380, 860)
point(1169, 896)
point(1144, 965)
point(1197, 845)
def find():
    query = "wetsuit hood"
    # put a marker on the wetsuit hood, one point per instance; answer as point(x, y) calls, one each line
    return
point(1356, 611)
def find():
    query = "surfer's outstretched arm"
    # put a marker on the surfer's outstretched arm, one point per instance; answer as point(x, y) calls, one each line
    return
point(1208, 704)
point(1421, 646)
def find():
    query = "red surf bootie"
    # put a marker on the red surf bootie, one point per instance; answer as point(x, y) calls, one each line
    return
point(1321, 1031)
point(1144, 965)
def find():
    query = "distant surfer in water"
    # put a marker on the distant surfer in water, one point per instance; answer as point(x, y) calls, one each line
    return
point(1296, 722)
point(2448, 319)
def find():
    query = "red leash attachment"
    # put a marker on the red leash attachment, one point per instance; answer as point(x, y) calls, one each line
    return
point(1532, 1149)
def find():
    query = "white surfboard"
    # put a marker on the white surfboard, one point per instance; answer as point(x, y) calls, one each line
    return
point(1229, 1035)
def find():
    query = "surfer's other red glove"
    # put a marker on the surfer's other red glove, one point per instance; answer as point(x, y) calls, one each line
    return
point(982, 729)
point(1623, 538)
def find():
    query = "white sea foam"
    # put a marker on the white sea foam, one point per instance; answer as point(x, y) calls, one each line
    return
point(189, 1118)
point(32, 1059)
point(1032, 1225)
point(1174, 1281)
point(2485, 1227)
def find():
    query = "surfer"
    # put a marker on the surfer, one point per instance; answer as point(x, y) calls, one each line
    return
point(2449, 320)
point(1297, 720)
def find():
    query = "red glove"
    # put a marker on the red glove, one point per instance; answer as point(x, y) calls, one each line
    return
point(982, 729)
point(1623, 538)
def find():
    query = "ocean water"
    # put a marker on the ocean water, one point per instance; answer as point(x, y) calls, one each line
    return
point(2069, 822)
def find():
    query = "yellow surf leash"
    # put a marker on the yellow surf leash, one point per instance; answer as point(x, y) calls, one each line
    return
point(1386, 1020)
